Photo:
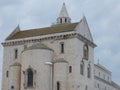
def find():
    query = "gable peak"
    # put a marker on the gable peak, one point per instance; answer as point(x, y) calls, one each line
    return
point(16, 30)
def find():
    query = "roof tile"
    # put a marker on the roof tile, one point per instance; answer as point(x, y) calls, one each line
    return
point(44, 31)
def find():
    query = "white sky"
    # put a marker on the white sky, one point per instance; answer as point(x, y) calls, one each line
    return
point(103, 17)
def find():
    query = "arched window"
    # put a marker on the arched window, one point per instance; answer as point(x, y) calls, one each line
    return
point(62, 47)
point(70, 69)
point(89, 71)
point(85, 52)
point(65, 20)
point(82, 68)
point(16, 53)
point(30, 78)
point(58, 86)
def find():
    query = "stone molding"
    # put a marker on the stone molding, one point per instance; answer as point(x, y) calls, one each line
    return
point(100, 79)
point(57, 37)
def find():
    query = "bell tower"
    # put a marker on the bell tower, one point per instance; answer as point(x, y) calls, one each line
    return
point(63, 16)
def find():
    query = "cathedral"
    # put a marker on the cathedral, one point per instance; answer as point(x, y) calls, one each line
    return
point(58, 57)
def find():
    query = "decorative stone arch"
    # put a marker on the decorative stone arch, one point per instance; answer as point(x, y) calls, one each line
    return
point(85, 52)
point(29, 78)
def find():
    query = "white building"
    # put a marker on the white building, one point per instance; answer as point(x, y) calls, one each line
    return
point(59, 57)
point(103, 79)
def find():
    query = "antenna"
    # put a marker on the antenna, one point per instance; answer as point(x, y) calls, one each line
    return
point(98, 61)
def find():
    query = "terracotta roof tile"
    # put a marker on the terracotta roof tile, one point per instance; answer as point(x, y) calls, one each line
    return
point(44, 31)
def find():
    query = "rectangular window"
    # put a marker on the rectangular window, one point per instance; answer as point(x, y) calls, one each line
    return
point(98, 85)
point(108, 78)
point(105, 88)
point(70, 69)
point(58, 85)
point(88, 73)
point(16, 53)
point(103, 76)
point(62, 47)
point(7, 73)
point(81, 68)
point(99, 74)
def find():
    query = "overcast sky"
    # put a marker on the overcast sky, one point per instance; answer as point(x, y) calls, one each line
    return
point(103, 17)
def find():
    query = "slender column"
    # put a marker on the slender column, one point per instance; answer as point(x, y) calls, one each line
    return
point(51, 74)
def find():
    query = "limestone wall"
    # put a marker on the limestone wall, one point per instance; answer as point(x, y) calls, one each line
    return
point(35, 59)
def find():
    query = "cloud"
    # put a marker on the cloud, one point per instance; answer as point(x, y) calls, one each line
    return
point(102, 16)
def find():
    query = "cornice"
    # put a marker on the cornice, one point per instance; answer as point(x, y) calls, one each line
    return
point(85, 40)
point(55, 37)
point(100, 79)
point(102, 68)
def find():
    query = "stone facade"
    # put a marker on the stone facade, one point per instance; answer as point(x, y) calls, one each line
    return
point(103, 79)
point(62, 60)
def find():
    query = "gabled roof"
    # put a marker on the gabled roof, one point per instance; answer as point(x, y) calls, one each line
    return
point(115, 85)
point(43, 31)
point(16, 30)
point(83, 29)
point(102, 67)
